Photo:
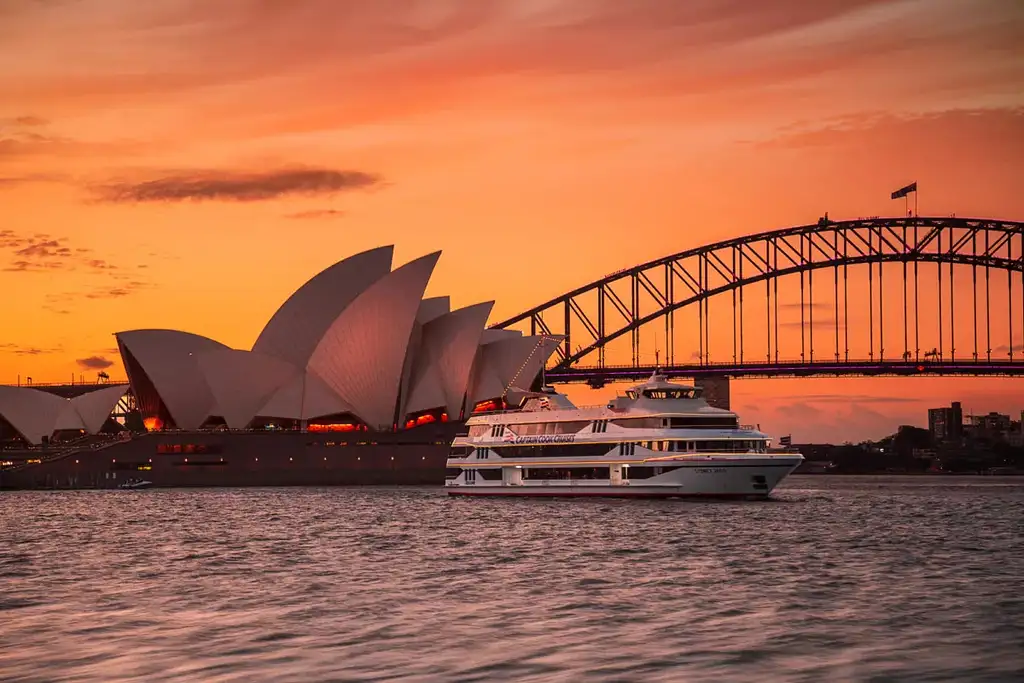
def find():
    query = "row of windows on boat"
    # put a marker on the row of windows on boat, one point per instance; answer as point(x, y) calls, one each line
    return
point(586, 473)
point(576, 426)
point(596, 450)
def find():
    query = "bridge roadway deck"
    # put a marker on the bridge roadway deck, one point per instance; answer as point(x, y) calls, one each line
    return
point(862, 368)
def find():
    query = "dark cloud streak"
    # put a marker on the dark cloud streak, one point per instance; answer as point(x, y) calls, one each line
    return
point(237, 186)
point(26, 350)
point(315, 213)
point(94, 363)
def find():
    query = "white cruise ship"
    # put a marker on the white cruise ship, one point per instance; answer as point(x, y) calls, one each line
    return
point(660, 440)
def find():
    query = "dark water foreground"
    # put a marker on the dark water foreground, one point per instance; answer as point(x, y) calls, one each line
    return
point(839, 579)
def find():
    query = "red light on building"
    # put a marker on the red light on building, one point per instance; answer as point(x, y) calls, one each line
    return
point(333, 427)
point(153, 424)
point(426, 418)
point(486, 406)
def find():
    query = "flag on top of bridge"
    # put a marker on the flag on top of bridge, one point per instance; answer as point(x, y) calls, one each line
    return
point(904, 191)
point(786, 440)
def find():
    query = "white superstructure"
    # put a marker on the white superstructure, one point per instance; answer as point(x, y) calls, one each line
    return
point(659, 440)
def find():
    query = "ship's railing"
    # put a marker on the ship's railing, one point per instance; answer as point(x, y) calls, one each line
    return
point(518, 411)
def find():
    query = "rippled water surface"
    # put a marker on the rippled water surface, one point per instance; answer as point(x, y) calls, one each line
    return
point(837, 579)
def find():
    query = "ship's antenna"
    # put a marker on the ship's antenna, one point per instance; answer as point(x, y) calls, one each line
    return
point(657, 353)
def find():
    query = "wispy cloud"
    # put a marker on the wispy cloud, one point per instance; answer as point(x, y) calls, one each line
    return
point(24, 179)
point(829, 323)
point(237, 186)
point(94, 363)
point(19, 350)
point(856, 398)
point(30, 120)
point(41, 252)
point(24, 121)
point(118, 292)
point(316, 213)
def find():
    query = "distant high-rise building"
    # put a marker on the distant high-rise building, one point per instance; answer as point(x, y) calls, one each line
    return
point(992, 424)
point(946, 424)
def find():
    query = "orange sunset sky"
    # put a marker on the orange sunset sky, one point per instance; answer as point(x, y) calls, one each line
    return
point(188, 164)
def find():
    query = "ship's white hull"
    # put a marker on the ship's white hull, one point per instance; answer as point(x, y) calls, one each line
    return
point(747, 480)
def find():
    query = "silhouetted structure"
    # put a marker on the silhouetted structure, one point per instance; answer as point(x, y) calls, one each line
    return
point(946, 424)
point(890, 260)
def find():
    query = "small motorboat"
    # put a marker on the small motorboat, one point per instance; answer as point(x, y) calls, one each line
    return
point(135, 484)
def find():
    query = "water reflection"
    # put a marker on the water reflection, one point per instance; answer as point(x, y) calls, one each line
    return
point(840, 579)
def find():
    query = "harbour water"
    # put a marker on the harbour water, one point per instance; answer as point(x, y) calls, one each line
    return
point(838, 578)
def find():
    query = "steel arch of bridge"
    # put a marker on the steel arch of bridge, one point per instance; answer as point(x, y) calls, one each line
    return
point(694, 276)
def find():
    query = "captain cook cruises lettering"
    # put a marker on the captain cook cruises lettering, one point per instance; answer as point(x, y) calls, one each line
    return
point(545, 438)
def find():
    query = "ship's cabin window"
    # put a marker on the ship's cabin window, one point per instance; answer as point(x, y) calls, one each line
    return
point(668, 394)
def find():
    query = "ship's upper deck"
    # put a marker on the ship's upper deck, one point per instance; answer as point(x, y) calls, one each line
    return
point(656, 397)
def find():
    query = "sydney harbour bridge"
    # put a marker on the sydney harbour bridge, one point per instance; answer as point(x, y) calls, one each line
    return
point(907, 296)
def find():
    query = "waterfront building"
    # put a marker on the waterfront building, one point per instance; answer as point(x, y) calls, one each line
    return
point(357, 378)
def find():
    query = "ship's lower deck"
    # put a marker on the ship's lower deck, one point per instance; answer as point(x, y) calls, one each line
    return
point(658, 492)
point(211, 458)
point(708, 476)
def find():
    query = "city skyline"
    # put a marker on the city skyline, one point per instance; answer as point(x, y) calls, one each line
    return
point(162, 165)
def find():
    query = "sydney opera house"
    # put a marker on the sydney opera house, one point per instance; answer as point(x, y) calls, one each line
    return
point(355, 379)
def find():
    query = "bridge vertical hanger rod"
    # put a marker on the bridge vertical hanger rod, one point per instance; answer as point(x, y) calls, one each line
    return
point(700, 310)
point(988, 305)
point(734, 309)
point(635, 312)
point(917, 307)
point(740, 248)
point(952, 303)
point(871, 300)
point(670, 326)
point(881, 302)
point(568, 324)
point(810, 299)
point(938, 269)
point(846, 297)
point(600, 324)
point(835, 289)
point(768, 309)
point(974, 290)
point(906, 334)
point(1009, 292)
point(803, 332)
point(775, 286)
point(707, 310)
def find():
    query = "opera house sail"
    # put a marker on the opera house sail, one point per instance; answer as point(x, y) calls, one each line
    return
point(355, 379)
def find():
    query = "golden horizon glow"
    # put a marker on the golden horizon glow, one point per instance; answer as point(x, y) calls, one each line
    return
point(186, 165)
